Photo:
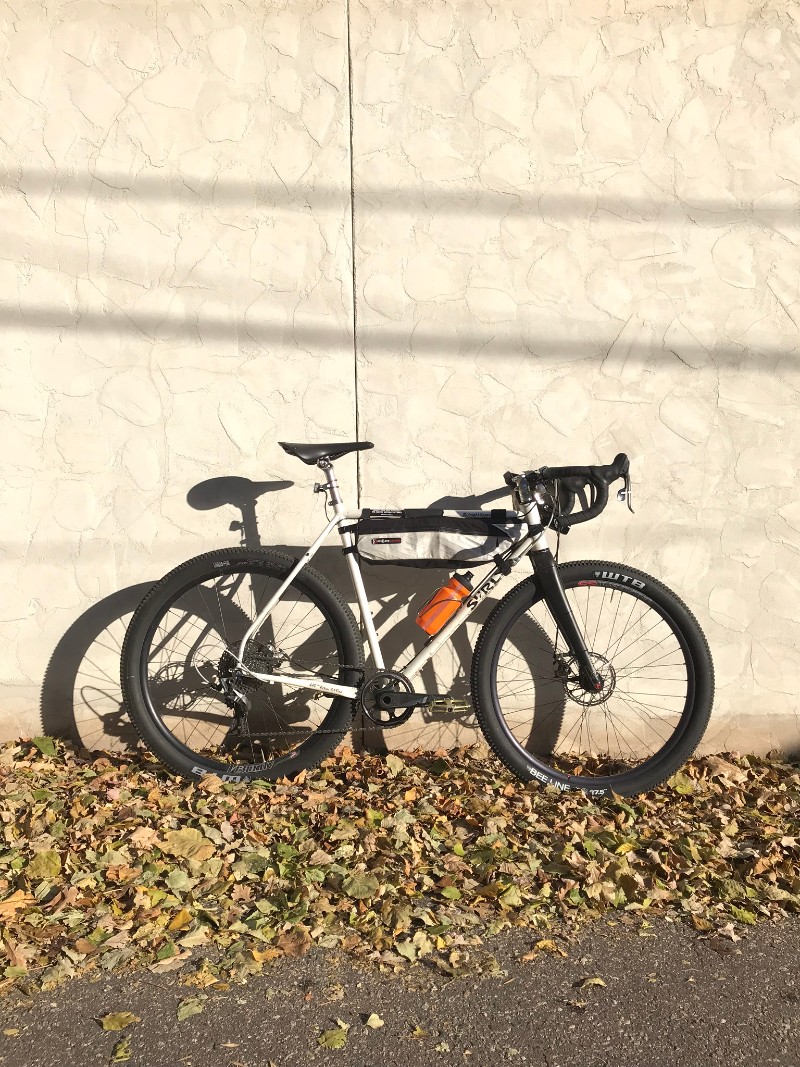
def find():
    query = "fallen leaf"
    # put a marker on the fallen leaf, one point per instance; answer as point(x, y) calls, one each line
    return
point(190, 1006)
point(118, 1020)
point(44, 865)
point(295, 942)
point(361, 885)
point(46, 745)
point(395, 765)
point(374, 1022)
point(16, 902)
point(181, 920)
point(728, 931)
point(547, 945)
point(743, 915)
point(121, 1051)
point(268, 954)
point(144, 837)
point(681, 783)
point(584, 983)
point(188, 843)
point(334, 1038)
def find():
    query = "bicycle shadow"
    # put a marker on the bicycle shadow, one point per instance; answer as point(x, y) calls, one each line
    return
point(81, 696)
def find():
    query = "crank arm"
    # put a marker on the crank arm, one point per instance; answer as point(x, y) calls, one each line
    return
point(406, 700)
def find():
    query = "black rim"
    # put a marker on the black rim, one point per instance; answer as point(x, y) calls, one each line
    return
point(195, 657)
point(560, 722)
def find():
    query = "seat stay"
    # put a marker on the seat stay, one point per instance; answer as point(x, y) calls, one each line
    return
point(314, 683)
point(265, 612)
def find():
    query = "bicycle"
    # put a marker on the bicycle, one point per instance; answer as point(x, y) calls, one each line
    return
point(591, 675)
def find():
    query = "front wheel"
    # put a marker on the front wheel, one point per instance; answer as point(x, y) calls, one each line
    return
point(179, 667)
point(658, 682)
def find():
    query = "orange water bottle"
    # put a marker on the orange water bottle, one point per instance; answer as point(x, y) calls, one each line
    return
point(444, 603)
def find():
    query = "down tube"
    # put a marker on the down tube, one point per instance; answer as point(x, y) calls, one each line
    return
point(492, 580)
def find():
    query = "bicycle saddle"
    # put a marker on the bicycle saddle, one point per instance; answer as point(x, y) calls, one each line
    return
point(314, 453)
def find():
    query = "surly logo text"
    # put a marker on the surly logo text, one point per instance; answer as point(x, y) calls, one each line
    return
point(626, 579)
point(479, 594)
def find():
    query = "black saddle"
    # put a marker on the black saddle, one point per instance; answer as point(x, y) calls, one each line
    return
point(314, 453)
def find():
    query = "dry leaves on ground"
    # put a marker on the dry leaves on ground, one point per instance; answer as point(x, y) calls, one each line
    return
point(109, 863)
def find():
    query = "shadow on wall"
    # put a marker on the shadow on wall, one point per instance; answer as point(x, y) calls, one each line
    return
point(480, 340)
point(81, 697)
point(195, 190)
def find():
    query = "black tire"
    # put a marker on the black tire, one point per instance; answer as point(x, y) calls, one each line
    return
point(602, 595)
point(210, 602)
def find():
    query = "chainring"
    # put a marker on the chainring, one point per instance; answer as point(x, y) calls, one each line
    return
point(368, 699)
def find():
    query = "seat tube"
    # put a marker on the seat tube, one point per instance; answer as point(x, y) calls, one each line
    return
point(355, 573)
point(553, 592)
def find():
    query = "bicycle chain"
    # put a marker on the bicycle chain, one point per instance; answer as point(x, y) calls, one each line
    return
point(339, 733)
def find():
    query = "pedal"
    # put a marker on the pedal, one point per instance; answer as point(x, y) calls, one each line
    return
point(451, 704)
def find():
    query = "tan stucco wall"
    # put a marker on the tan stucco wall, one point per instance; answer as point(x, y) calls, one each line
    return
point(577, 232)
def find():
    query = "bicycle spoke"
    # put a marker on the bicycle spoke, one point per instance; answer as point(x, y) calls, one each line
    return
point(197, 639)
point(635, 650)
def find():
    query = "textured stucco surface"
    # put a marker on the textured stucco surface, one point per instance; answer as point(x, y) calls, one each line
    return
point(176, 294)
point(577, 232)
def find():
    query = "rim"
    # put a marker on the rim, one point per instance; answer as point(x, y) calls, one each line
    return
point(186, 653)
point(606, 740)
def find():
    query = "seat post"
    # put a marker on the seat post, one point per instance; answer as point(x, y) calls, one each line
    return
point(333, 486)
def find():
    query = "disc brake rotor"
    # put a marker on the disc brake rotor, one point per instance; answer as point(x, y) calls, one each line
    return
point(568, 671)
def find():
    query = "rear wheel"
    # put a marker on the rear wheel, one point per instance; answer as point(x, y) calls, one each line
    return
point(179, 666)
point(658, 682)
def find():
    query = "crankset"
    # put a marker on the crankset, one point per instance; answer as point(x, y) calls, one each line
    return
point(387, 698)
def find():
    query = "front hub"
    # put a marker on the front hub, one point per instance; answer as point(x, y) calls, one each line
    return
point(581, 690)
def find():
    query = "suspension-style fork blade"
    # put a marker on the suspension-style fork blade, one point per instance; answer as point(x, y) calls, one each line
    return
point(553, 593)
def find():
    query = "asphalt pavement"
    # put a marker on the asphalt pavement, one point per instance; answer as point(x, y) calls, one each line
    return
point(658, 996)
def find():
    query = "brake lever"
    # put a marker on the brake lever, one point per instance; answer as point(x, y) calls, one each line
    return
point(625, 494)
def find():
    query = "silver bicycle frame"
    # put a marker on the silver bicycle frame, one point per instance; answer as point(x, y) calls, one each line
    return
point(342, 519)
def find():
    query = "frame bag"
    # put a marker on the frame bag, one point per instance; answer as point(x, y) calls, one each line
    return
point(431, 539)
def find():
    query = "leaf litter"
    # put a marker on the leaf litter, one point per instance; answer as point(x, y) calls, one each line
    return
point(108, 863)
